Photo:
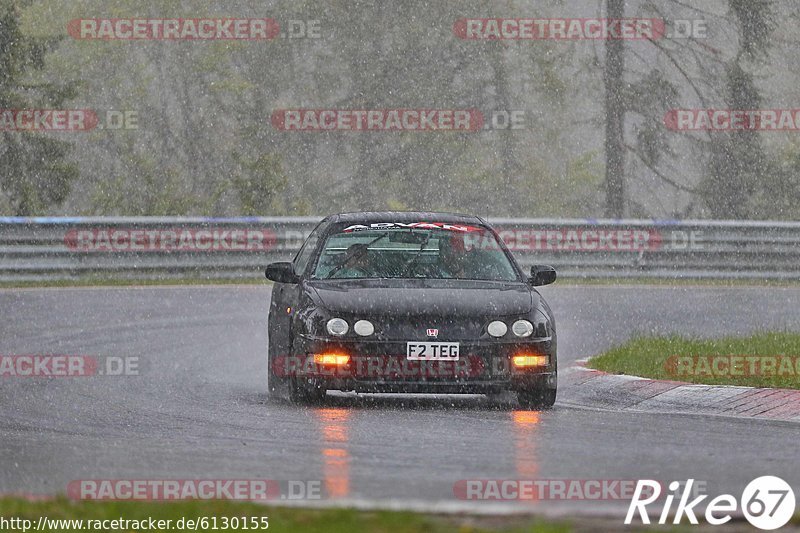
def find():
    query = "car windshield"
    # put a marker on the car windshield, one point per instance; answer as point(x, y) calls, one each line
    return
point(430, 250)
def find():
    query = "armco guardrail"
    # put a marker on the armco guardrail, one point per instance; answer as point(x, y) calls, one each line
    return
point(176, 247)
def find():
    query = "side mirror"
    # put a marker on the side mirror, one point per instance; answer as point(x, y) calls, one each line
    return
point(282, 272)
point(542, 275)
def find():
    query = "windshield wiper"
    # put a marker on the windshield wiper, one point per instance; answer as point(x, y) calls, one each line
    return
point(414, 260)
point(356, 255)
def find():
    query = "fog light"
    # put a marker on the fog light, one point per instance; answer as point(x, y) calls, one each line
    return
point(497, 328)
point(364, 328)
point(522, 328)
point(522, 361)
point(337, 326)
point(331, 359)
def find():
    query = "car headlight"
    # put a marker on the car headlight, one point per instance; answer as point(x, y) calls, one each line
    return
point(363, 328)
point(497, 328)
point(337, 326)
point(522, 328)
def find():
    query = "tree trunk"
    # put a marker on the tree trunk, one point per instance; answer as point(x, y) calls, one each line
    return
point(615, 118)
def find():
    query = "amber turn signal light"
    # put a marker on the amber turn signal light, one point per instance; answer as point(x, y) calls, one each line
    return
point(523, 361)
point(331, 359)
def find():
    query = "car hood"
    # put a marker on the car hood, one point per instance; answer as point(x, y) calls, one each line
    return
point(424, 298)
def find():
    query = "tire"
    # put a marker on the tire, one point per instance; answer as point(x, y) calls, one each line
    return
point(502, 396)
point(539, 398)
point(304, 392)
point(277, 388)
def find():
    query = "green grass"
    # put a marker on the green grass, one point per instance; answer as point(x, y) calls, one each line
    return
point(280, 518)
point(291, 519)
point(648, 357)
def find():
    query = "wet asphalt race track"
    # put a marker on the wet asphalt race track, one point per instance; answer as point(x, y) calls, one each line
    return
point(198, 409)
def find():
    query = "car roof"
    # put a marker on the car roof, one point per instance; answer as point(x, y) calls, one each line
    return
point(403, 216)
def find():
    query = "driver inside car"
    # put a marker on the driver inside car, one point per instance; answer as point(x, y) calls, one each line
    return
point(356, 263)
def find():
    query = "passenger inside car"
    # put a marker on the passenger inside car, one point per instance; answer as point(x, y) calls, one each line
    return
point(456, 260)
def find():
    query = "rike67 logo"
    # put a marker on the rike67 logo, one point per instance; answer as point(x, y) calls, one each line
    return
point(767, 503)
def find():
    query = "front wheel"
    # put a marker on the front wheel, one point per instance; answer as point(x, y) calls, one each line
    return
point(277, 387)
point(539, 398)
point(306, 392)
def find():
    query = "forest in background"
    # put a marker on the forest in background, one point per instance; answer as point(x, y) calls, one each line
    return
point(203, 143)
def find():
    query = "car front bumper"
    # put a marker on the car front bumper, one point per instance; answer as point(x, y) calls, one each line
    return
point(382, 366)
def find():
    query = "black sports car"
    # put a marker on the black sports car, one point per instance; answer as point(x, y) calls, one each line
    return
point(409, 302)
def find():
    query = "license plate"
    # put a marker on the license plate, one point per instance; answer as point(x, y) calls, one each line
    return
point(432, 351)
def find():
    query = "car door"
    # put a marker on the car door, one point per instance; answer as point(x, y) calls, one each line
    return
point(286, 298)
